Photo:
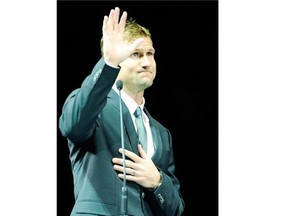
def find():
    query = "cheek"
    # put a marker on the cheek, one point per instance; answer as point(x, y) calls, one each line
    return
point(128, 65)
point(154, 75)
point(125, 72)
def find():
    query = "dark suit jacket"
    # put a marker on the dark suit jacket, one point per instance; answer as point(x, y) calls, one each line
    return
point(91, 122)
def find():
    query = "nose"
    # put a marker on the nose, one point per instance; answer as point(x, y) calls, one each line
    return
point(145, 61)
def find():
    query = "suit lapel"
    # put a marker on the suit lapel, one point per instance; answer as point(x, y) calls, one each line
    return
point(128, 125)
point(156, 138)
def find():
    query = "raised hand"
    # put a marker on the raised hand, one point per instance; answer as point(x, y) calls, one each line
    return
point(115, 48)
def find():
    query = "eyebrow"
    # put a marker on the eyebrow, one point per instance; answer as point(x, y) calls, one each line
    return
point(152, 49)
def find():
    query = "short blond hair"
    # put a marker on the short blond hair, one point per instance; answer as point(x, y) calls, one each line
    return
point(132, 31)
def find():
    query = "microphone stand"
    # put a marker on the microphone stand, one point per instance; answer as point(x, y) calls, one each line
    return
point(124, 196)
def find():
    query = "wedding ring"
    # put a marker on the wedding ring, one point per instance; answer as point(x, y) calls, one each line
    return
point(133, 173)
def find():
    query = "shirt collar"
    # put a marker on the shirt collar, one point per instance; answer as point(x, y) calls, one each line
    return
point(130, 103)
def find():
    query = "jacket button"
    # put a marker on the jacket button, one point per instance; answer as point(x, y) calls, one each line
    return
point(160, 197)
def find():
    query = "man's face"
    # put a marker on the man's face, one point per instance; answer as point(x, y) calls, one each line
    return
point(139, 70)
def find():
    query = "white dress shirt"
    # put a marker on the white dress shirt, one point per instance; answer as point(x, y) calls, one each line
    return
point(132, 106)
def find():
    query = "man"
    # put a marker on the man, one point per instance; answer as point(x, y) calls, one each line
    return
point(90, 121)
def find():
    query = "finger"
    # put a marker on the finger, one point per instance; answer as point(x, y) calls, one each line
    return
point(105, 21)
point(118, 168)
point(142, 152)
point(135, 44)
point(129, 154)
point(116, 17)
point(122, 22)
point(129, 171)
point(117, 161)
point(132, 172)
point(110, 17)
point(128, 177)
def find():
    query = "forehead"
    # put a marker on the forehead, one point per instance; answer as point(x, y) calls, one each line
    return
point(147, 44)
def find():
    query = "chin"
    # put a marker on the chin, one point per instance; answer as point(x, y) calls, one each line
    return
point(147, 84)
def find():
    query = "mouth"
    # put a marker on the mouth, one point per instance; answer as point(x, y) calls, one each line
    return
point(145, 72)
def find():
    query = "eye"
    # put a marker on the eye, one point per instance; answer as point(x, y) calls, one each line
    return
point(135, 55)
point(150, 54)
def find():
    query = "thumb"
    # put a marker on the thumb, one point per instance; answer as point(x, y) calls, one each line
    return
point(142, 152)
point(135, 44)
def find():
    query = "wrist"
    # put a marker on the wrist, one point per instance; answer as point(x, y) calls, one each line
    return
point(160, 180)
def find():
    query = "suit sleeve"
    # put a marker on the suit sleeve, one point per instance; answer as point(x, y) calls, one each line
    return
point(83, 105)
point(168, 197)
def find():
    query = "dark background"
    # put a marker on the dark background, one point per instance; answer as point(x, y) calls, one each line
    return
point(184, 96)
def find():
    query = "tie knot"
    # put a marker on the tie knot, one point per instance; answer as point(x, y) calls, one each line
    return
point(138, 112)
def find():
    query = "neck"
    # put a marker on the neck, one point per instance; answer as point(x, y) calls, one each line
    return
point(137, 96)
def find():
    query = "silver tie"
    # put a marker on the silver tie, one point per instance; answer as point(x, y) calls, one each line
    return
point(142, 136)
